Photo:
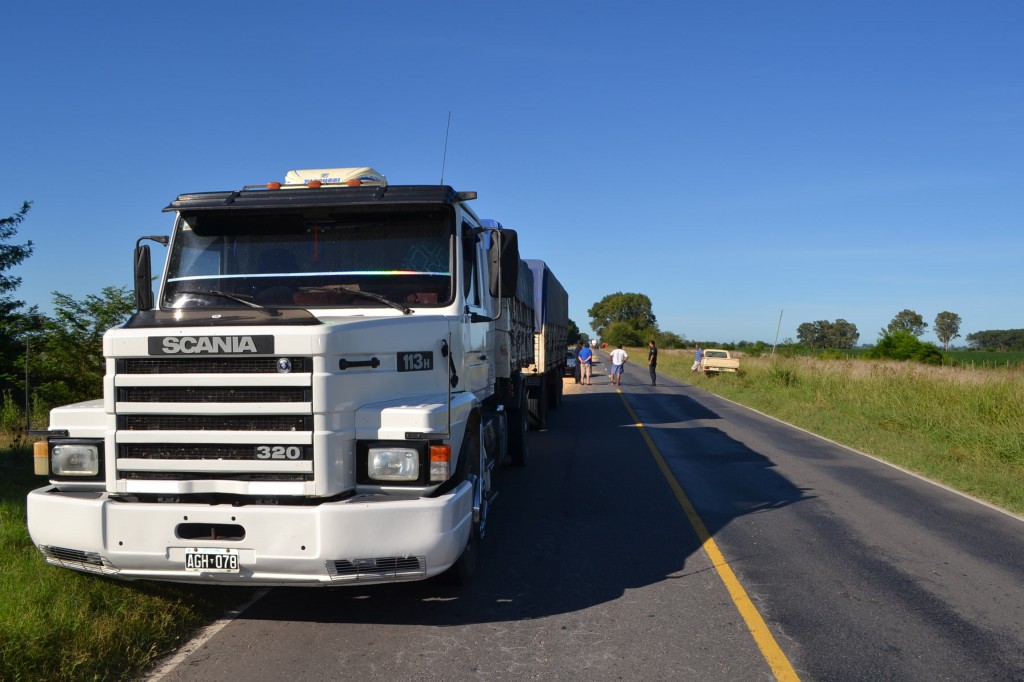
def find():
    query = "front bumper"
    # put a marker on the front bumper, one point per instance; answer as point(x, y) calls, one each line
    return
point(363, 539)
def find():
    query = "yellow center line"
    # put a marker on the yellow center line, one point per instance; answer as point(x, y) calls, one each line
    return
point(770, 649)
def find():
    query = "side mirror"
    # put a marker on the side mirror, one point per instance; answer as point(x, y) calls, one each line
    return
point(504, 261)
point(143, 278)
point(144, 273)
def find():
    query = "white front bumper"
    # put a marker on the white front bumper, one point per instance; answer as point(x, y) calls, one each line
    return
point(354, 541)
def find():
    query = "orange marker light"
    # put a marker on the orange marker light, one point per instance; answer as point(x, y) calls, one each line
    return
point(440, 462)
point(41, 458)
point(354, 182)
point(314, 184)
point(273, 185)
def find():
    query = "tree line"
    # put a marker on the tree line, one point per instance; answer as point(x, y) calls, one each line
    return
point(628, 318)
point(997, 340)
point(49, 360)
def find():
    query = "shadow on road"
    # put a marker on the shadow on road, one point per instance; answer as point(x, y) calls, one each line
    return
point(589, 518)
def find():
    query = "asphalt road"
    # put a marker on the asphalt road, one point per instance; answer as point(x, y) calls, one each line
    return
point(592, 569)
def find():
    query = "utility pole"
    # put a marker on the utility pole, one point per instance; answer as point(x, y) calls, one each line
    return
point(777, 328)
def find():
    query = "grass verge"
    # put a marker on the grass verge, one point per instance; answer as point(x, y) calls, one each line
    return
point(954, 425)
point(57, 624)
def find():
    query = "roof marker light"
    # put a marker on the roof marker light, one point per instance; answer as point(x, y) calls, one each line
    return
point(273, 185)
point(353, 182)
point(314, 184)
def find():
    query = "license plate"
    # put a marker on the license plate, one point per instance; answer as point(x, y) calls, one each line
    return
point(211, 560)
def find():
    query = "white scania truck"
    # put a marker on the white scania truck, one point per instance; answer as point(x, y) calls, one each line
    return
point(331, 371)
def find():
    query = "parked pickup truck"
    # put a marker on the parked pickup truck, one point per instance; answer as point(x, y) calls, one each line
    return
point(716, 360)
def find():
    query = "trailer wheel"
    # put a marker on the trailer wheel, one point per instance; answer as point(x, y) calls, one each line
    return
point(518, 436)
point(536, 399)
point(555, 392)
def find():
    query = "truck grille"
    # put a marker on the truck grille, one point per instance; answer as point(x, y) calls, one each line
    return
point(207, 419)
point(168, 422)
point(76, 559)
point(191, 394)
point(185, 452)
point(262, 365)
point(379, 568)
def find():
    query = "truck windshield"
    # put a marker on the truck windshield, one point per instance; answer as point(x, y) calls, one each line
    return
point(223, 259)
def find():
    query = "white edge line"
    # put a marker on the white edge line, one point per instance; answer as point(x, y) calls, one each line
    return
point(204, 635)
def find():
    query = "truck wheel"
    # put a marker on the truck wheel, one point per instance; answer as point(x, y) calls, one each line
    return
point(468, 468)
point(555, 393)
point(538, 407)
point(518, 436)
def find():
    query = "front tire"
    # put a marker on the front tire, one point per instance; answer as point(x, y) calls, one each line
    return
point(468, 468)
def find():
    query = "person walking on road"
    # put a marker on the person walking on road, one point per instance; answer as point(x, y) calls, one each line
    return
point(652, 362)
point(584, 359)
point(697, 357)
point(619, 358)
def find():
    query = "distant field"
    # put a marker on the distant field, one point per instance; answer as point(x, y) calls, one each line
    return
point(974, 359)
point(983, 359)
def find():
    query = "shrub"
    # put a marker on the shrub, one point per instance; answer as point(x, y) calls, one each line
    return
point(12, 420)
point(902, 345)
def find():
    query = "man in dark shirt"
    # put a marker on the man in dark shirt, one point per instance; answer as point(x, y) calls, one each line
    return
point(652, 362)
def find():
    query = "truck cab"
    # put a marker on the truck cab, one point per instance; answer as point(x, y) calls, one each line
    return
point(317, 393)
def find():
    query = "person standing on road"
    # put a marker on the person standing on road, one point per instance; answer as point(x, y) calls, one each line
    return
point(652, 362)
point(584, 359)
point(697, 357)
point(576, 369)
point(619, 358)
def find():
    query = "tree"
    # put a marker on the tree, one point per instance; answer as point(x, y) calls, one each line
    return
point(623, 333)
point(12, 254)
point(844, 334)
point(67, 361)
point(573, 335)
point(825, 334)
point(908, 321)
point(13, 323)
point(947, 327)
point(670, 340)
point(809, 334)
point(634, 310)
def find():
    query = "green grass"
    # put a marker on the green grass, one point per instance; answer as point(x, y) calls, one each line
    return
point(955, 425)
point(57, 624)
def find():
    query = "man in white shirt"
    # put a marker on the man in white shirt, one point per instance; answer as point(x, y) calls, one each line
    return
point(619, 358)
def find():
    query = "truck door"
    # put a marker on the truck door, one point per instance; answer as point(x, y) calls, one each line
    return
point(476, 336)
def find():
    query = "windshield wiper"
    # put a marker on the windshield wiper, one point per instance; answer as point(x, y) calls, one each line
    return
point(230, 297)
point(377, 297)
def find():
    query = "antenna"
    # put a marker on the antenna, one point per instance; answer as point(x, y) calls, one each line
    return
point(28, 414)
point(444, 157)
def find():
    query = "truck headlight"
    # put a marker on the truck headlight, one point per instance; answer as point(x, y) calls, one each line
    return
point(393, 463)
point(76, 459)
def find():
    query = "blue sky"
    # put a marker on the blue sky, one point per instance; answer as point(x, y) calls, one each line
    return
point(731, 160)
